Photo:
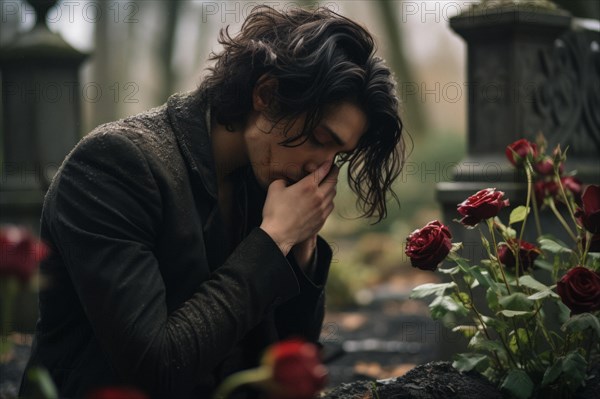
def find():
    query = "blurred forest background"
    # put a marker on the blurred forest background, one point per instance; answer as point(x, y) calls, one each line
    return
point(140, 52)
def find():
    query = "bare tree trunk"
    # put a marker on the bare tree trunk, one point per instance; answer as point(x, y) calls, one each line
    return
point(96, 94)
point(412, 108)
point(167, 47)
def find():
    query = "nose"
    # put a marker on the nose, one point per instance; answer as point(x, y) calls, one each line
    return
point(311, 166)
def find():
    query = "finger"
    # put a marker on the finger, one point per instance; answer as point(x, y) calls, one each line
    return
point(277, 185)
point(331, 179)
point(319, 174)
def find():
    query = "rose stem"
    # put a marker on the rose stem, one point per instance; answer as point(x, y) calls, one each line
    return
point(491, 228)
point(562, 220)
point(485, 331)
point(235, 381)
point(564, 194)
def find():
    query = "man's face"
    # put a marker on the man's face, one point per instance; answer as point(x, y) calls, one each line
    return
point(338, 132)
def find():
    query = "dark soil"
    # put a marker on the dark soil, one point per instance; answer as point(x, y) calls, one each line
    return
point(435, 380)
point(439, 380)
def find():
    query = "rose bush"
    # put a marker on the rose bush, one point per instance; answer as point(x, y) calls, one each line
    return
point(511, 340)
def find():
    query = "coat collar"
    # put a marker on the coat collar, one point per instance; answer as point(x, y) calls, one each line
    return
point(189, 114)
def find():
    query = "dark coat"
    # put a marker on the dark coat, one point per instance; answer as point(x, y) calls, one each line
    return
point(142, 287)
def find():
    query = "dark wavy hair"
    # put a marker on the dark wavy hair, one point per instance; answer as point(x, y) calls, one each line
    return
point(318, 58)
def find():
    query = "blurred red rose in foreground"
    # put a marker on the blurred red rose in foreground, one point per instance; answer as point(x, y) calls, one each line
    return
point(518, 151)
point(116, 393)
point(297, 369)
point(20, 252)
point(428, 246)
point(482, 205)
point(579, 289)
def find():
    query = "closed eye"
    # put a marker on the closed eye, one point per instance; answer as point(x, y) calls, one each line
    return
point(316, 142)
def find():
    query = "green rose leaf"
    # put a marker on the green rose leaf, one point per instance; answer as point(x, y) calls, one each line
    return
point(516, 301)
point(442, 305)
point(553, 246)
point(491, 296)
point(515, 313)
point(594, 261)
point(532, 283)
point(518, 383)
point(481, 343)
point(564, 313)
point(552, 372)
point(452, 270)
point(496, 324)
point(542, 264)
point(574, 368)
point(582, 322)
point(424, 290)
point(518, 214)
point(467, 331)
point(469, 361)
point(543, 294)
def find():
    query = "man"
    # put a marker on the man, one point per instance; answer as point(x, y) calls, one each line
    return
point(184, 239)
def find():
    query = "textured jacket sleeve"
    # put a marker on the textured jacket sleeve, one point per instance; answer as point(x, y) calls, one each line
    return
point(303, 315)
point(104, 217)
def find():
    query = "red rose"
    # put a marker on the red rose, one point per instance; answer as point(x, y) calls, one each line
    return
point(518, 151)
point(116, 393)
point(579, 289)
point(20, 252)
point(545, 167)
point(482, 205)
point(297, 369)
point(428, 246)
point(589, 216)
point(527, 254)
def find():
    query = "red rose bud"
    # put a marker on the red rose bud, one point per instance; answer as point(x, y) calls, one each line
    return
point(20, 252)
point(589, 216)
point(482, 205)
point(545, 167)
point(579, 289)
point(116, 393)
point(428, 246)
point(297, 369)
point(518, 151)
point(527, 254)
